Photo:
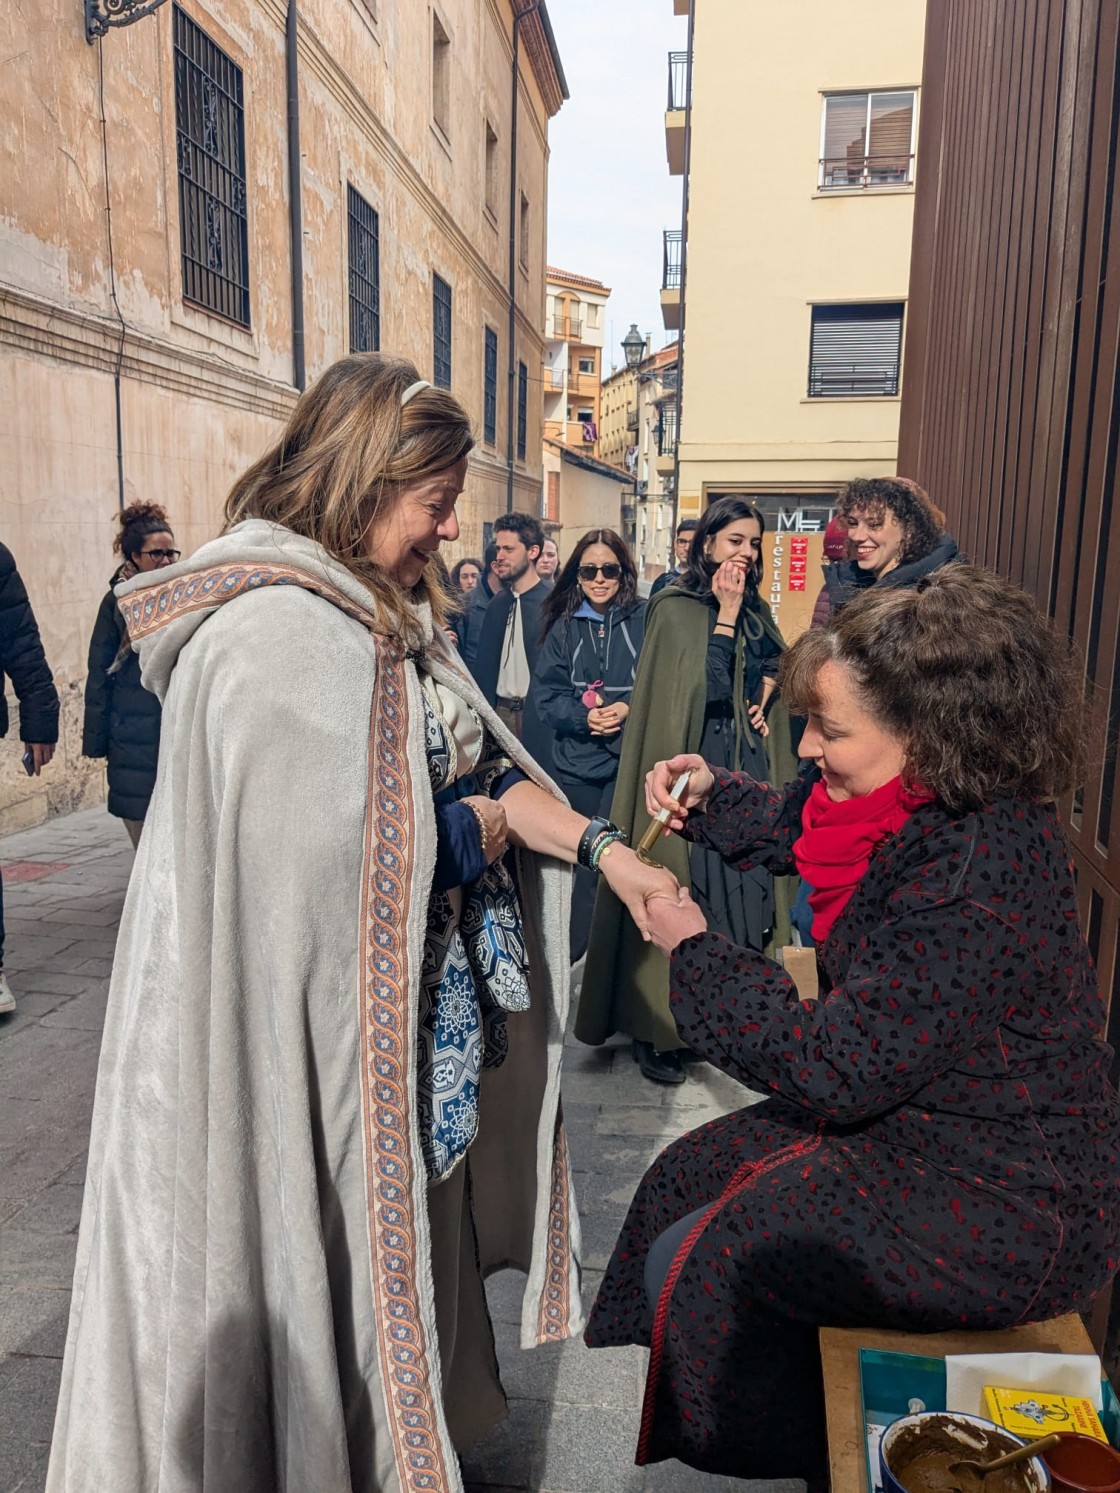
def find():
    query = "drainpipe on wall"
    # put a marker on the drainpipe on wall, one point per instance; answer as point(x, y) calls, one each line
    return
point(518, 17)
point(684, 266)
point(295, 196)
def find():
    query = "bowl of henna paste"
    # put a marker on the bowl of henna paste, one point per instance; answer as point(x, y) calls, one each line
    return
point(918, 1452)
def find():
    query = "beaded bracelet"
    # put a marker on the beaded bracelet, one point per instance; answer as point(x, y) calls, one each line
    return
point(483, 832)
point(596, 829)
point(602, 846)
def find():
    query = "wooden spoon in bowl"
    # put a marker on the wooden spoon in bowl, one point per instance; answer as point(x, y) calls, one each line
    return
point(1020, 1454)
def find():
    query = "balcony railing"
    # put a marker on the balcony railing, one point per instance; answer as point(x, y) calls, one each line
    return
point(673, 259)
point(853, 381)
point(667, 433)
point(567, 328)
point(678, 81)
point(632, 418)
point(843, 173)
point(554, 378)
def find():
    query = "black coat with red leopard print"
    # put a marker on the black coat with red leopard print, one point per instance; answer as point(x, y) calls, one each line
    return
point(941, 1148)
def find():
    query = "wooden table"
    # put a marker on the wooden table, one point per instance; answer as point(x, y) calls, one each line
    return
point(847, 1439)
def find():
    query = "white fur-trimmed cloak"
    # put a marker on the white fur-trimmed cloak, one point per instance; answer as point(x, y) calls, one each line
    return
point(253, 1301)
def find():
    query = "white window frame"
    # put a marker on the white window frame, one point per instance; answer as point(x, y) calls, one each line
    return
point(866, 184)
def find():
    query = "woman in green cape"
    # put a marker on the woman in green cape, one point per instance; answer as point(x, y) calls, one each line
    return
point(705, 678)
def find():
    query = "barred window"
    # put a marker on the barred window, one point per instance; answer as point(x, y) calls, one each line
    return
point(364, 264)
point(365, 273)
point(441, 333)
point(210, 145)
point(490, 389)
point(522, 409)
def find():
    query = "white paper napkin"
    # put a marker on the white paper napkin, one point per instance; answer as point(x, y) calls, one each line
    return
point(966, 1374)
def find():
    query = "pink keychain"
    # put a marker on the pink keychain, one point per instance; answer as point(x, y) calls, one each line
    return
point(590, 696)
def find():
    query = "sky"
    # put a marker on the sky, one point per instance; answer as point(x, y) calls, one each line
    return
point(609, 188)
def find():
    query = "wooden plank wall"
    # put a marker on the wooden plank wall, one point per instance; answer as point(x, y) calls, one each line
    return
point(1011, 396)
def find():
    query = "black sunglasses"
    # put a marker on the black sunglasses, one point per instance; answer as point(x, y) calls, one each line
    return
point(171, 555)
point(609, 572)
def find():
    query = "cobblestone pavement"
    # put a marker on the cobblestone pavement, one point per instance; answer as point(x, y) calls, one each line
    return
point(573, 1413)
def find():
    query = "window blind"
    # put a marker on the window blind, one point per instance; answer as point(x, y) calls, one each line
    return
point(855, 351)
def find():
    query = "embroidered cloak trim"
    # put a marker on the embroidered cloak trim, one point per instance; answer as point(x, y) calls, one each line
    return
point(101, 1423)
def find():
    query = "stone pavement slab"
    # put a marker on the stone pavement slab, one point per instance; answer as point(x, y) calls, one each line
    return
point(574, 1413)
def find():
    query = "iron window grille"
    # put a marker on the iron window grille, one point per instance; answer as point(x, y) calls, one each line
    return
point(210, 146)
point(490, 390)
point(667, 431)
point(522, 410)
point(855, 352)
point(678, 82)
point(364, 261)
point(441, 333)
point(672, 266)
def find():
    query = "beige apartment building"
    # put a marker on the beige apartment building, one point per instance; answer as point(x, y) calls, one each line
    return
point(155, 321)
point(789, 285)
point(575, 322)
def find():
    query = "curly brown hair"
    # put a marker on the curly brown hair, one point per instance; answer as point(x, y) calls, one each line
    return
point(922, 521)
point(135, 523)
point(965, 669)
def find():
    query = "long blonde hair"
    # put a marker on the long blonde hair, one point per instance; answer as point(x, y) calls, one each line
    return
point(338, 468)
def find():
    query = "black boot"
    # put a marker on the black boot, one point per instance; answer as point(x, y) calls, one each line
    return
point(662, 1067)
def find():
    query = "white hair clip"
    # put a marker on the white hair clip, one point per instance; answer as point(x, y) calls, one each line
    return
point(414, 389)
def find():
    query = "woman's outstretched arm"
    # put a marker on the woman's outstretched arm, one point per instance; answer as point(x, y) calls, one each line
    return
point(536, 821)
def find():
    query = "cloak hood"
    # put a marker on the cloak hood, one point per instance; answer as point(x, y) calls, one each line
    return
point(243, 559)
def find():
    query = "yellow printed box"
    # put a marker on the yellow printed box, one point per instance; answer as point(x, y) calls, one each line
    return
point(1027, 1413)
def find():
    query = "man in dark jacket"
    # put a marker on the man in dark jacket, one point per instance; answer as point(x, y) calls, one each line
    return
point(681, 546)
point(511, 631)
point(468, 625)
point(23, 661)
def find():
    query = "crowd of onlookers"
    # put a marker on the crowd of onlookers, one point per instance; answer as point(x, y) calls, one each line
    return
point(555, 648)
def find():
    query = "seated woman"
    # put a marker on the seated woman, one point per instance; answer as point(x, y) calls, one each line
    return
point(940, 1144)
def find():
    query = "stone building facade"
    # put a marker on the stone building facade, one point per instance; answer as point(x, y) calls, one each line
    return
point(149, 309)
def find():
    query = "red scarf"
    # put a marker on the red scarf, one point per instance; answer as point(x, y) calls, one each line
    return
point(838, 840)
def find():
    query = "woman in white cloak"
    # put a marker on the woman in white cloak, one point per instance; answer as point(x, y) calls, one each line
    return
point(328, 1102)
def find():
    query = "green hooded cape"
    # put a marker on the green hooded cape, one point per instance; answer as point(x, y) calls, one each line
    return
point(625, 980)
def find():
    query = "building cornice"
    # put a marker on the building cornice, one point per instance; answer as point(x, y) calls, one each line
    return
point(544, 55)
point(85, 339)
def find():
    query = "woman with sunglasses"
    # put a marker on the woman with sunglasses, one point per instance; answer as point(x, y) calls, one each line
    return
point(707, 676)
point(122, 718)
point(593, 626)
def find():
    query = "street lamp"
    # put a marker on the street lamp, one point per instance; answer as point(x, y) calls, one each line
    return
point(634, 346)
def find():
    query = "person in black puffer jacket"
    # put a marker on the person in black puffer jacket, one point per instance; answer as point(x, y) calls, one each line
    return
point(122, 718)
point(593, 627)
point(22, 660)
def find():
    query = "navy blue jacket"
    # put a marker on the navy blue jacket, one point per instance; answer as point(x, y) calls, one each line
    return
point(22, 659)
point(573, 657)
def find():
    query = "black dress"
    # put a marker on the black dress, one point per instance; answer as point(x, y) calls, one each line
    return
point(740, 905)
point(941, 1149)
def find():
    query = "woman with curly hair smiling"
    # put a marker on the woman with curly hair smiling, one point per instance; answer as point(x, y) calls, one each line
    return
point(941, 1144)
point(896, 535)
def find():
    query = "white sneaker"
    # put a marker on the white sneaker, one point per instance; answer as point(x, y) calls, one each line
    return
point(7, 999)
